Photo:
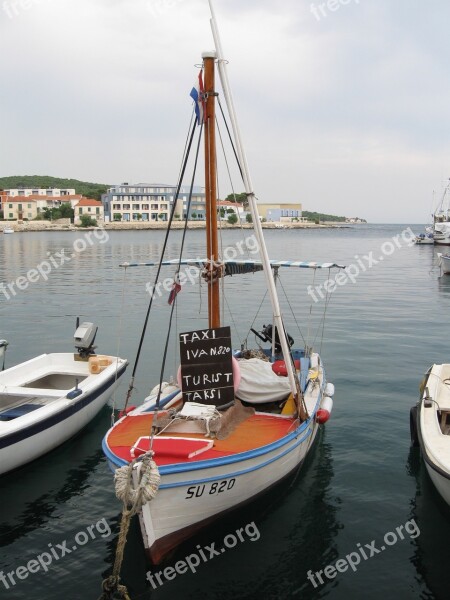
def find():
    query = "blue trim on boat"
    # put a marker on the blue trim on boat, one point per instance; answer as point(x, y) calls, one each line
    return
point(214, 462)
point(35, 428)
point(237, 473)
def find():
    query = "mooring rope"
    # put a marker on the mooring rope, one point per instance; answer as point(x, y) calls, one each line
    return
point(133, 499)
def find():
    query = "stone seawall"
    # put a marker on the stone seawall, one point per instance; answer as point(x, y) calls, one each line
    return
point(65, 225)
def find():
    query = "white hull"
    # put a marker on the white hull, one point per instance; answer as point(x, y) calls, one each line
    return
point(441, 234)
point(8, 230)
point(424, 241)
point(442, 484)
point(444, 262)
point(433, 427)
point(187, 501)
point(26, 437)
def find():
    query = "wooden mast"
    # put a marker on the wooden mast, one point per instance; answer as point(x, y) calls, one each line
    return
point(212, 246)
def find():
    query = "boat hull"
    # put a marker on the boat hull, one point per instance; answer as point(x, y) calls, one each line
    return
point(28, 437)
point(444, 262)
point(441, 482)
point(188, 501)
point(433, 430)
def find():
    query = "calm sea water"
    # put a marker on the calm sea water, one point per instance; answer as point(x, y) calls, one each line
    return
point(360, 482)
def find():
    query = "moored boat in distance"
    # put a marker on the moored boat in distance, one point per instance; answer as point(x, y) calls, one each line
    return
point(441, 218)
point(8, 229)
point(430, 426)
point(48, 399)
point(424, 239)
point(235, 423)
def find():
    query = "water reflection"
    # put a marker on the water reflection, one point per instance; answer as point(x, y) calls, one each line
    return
point(33, 494)
point(432, 549)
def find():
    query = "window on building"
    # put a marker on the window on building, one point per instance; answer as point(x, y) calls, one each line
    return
point(126, 207)
point(11, 216)
point(135, 206)
point(126, 216)
point(154, 207)
point(145, 206)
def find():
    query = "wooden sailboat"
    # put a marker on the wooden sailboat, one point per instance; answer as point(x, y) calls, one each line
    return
point(238, 422)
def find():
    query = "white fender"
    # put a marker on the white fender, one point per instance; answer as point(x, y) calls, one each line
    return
point(329, 390)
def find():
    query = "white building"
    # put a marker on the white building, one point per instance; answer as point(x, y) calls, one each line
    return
point(49, 192)
point(150, 202)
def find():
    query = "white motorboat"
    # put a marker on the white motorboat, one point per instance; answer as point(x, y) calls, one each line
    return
point(48, 399)
point(430, 426)
point(236, 423)
point(424, 239)
point(8, 230)
point(444, 262)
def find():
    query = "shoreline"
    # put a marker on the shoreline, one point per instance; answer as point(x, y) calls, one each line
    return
point(34, 226)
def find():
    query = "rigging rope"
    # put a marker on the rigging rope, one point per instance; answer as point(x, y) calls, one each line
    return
point(172, 212)
point(119, 337)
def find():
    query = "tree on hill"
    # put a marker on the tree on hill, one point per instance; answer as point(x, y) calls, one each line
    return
point(241, 198)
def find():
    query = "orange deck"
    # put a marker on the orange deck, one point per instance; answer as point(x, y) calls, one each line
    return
point(258, 430)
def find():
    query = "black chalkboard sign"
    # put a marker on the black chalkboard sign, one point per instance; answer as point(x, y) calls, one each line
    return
point(206, 366)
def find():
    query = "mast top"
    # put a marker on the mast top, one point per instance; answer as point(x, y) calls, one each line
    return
point(209, 54)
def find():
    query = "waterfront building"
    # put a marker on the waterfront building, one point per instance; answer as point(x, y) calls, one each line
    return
point(277, 213)
point(92, 208)
point(20, 209)
point(151, 202)
point(49, 192)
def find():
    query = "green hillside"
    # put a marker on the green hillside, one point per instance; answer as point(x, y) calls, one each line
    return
point(90, 190)
point(315, 216)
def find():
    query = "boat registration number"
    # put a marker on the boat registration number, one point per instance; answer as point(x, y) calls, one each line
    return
point(196, 491)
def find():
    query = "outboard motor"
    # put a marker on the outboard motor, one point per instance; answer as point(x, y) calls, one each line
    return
point(266, 336)
point(84, 338)
point(3, 346)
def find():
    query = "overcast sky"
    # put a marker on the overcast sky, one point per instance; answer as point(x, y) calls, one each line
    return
point(344, 106)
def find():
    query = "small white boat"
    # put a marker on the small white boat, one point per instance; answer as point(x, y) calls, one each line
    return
point(48, 399)
point(8, 230)
point(424, 238)
point(430, 427)
point(444, 262)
